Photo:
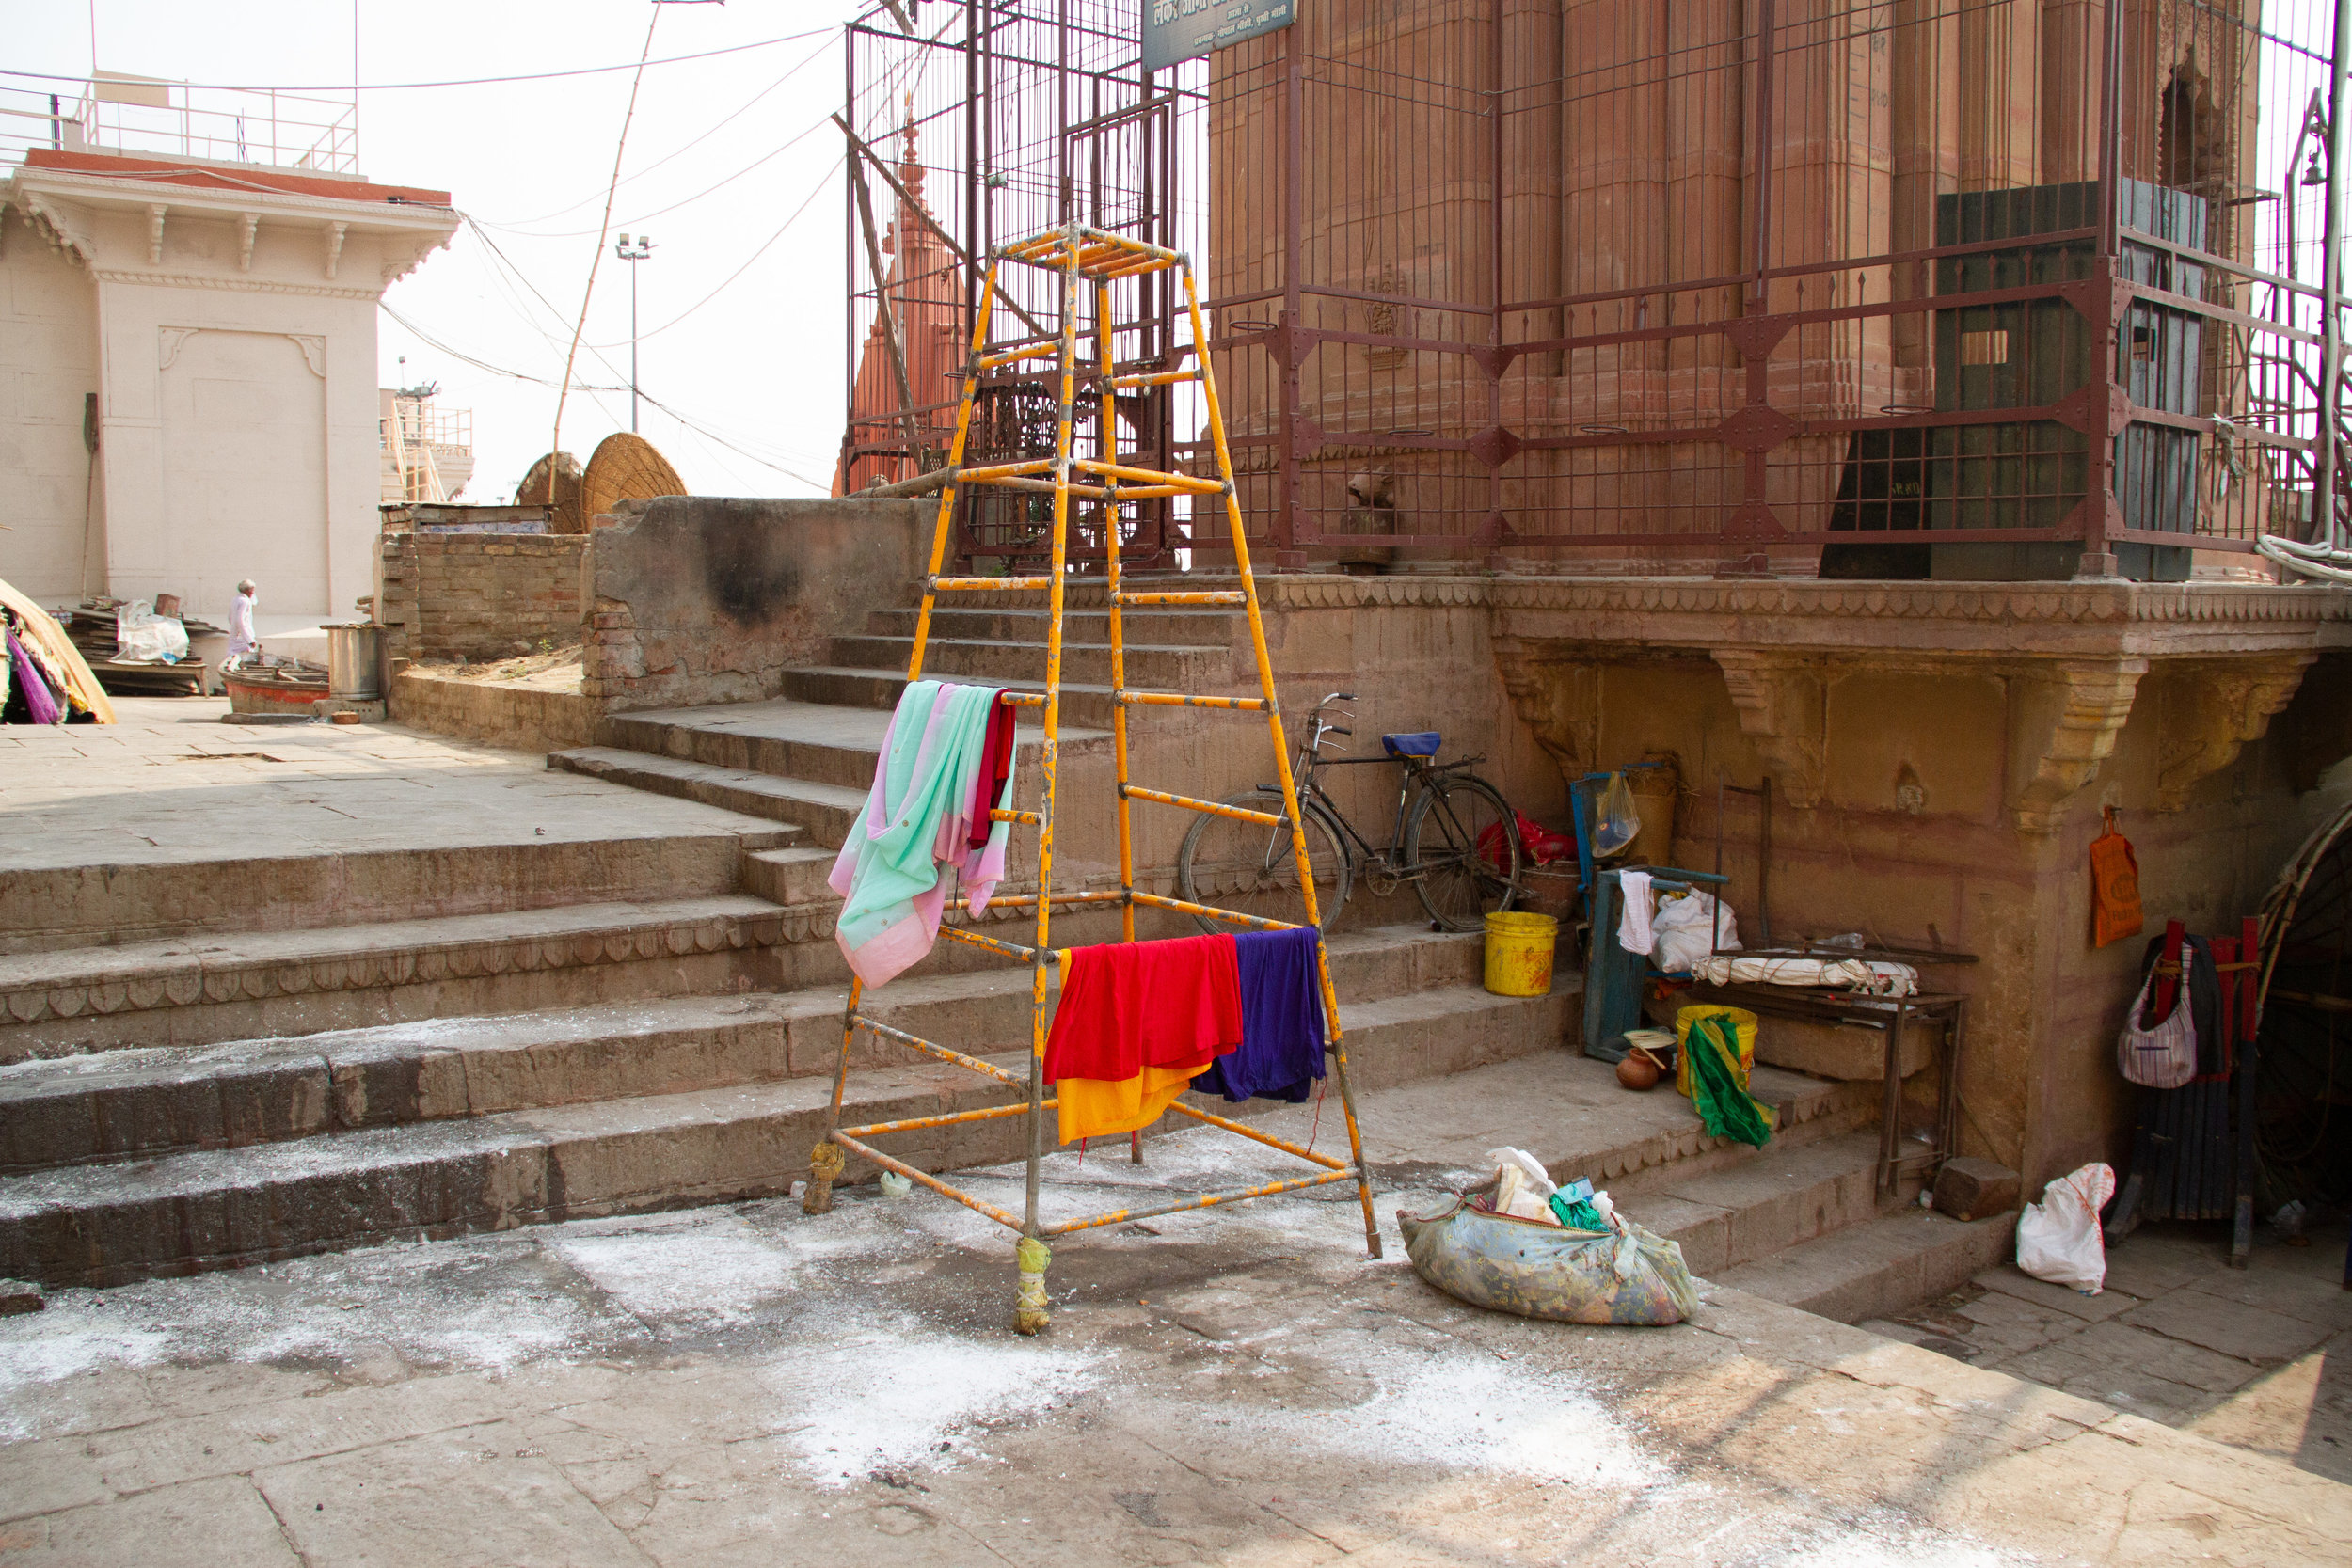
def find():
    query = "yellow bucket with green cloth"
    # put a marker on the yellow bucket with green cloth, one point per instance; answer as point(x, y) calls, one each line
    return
point(1742, 1022)
point(1519, 953)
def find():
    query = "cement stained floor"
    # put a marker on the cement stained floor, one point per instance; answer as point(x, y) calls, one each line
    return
point(170, 783)
point(746, 1384)
point(2259, 1357)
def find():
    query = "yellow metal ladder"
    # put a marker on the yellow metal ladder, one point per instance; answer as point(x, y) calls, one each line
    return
point(1082, 257)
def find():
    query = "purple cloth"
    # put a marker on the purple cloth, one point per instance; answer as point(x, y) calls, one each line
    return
point(40, 703)
point(1281, 1020)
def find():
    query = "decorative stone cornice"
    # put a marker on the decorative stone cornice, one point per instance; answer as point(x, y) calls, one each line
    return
point(239, 283)
point(57, 230)
point(1783, 702)
point(2063, 718)
point(2211, 708)
point(1558, 699)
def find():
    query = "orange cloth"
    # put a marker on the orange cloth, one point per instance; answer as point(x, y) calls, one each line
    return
point(1136, 1022)
point(1095, 1107)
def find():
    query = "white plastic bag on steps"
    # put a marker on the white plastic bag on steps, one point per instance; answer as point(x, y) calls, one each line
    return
point(2058, 1240)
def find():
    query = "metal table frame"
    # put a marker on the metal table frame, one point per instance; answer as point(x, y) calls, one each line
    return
point(1891, 1014)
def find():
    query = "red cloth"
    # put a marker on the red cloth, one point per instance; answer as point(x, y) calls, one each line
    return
point(1126, 1006)
point(996, 763)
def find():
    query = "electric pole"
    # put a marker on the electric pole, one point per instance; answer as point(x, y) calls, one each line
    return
point(633, 251)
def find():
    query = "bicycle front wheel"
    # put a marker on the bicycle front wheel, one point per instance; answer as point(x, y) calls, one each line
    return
point(1238, 865)
point(1464, 843)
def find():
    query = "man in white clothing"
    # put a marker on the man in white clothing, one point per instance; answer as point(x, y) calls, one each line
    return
point(241, 642)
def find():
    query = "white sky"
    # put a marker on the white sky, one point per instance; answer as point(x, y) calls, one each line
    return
point(757, 363)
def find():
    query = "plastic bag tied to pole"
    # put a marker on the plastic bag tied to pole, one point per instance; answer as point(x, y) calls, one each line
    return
point(1721, 1099)
point(1617, 821)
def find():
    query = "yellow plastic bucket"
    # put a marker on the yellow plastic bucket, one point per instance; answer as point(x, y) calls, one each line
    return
point(1742, 1025)
point(1518, 954)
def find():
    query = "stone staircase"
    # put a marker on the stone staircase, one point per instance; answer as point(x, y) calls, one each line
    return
point(535, 1031)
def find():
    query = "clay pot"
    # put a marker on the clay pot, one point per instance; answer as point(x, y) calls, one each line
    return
point(1637, 1071)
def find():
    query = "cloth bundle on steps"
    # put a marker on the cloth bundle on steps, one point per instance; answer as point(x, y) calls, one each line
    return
point(945, 760)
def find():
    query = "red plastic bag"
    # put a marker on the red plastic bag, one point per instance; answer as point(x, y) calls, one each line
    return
point(1538, 845)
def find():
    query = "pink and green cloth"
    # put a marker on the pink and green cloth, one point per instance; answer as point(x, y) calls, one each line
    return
point(914, 832)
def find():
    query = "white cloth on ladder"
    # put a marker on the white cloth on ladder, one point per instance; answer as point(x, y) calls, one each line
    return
point(1634, 926)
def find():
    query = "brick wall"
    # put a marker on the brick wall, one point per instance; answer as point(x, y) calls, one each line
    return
point(476, 597)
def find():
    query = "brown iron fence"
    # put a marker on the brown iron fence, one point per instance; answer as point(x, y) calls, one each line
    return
point(1928, 286)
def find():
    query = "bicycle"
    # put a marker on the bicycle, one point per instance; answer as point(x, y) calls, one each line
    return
point(1455, 839)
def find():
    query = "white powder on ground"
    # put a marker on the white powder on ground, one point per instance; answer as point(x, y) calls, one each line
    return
point(711, 1267)
point(899, 1396)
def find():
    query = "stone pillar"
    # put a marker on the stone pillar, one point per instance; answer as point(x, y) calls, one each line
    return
point(1999, 66)
point(1926, 85)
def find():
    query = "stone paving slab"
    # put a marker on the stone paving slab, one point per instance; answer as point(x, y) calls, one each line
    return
point(746, 1384)
point(2260, 1358)
point(172, 823)
point(170, 782)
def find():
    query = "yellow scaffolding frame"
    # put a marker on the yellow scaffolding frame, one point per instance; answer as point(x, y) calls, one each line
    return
point(1081, 254)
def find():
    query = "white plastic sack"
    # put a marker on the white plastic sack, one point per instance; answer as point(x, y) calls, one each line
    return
point(1685, 933)
point(2058, 1240)
point(143, 637)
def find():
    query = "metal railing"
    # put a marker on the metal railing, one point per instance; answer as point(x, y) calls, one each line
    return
point(135, 115)
point(1847, 286)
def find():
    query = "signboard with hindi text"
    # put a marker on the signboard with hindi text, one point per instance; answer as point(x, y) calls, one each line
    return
point(1175, 30)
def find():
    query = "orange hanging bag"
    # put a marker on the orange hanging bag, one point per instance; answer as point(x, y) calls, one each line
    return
point(2114, 887)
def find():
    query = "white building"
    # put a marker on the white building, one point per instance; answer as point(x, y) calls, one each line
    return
point(188, 362)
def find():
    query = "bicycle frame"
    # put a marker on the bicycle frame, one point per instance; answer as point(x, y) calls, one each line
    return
point(1418, 770)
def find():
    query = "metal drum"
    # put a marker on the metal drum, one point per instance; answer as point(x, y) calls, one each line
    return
point(355, 652)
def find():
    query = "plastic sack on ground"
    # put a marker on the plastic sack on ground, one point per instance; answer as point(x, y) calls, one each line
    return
point(143, 637)
point(2058, 1240)
point(1617, 821)
point(1685, 931)
point(1630, 1277)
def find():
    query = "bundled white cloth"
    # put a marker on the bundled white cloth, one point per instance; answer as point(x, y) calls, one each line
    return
point(1869, 976)
point(1688, 929)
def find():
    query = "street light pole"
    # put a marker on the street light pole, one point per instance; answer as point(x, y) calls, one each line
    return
point(633, 251)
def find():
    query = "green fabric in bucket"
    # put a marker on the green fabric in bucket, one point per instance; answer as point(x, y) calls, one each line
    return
point(1721, 1099)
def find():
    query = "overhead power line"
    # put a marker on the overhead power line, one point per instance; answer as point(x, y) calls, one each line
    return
point(462, 82)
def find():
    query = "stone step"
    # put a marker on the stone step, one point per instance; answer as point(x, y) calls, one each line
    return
point(143, 1104)
point(1874, 1270)
point(1150, 666)
point(208, 990)
point(1737, 1213)
point(795, 876)
point(790, 739)
point(1201, 628)
point(1082, 702)
point(54, 908)
point(803, 808)
point(112, 1223)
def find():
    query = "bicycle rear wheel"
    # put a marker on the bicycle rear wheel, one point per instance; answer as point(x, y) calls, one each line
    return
point(1464, 842)
point(1251, 867)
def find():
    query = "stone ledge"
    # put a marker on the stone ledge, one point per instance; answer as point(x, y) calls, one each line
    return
point(128, 980)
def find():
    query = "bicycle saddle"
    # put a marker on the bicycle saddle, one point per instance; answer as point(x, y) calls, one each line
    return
point(1422, 743)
